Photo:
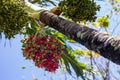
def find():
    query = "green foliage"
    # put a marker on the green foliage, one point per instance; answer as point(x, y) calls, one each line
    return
point(31, 28)
point(23, 67)
point(79, 10)
point(78, 52)
point(69, 60)
point(35, 78)
point(116, 9)
point(12, 17)
point(103, 21)
point(113, 2)
point(56, 34)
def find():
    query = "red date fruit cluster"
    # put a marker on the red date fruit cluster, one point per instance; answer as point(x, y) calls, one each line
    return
point(44, 51)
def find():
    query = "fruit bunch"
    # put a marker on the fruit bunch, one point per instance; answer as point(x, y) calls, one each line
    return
point(44, 51)
point(79, 10)
point(13, 17)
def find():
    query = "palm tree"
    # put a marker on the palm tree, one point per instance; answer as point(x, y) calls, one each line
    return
point(105, 45)
point(108, 47)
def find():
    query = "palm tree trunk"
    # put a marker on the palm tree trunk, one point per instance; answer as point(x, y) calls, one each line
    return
point(106, 46)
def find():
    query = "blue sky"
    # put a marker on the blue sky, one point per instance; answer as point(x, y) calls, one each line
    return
point(12, 61)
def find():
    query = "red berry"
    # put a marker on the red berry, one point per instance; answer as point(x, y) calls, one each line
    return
point(44, 51)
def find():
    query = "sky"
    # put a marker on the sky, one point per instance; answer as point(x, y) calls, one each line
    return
point(12, 61)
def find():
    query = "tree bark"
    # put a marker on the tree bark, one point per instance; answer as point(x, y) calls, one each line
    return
point(106, 46)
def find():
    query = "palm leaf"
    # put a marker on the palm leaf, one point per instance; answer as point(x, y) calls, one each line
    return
point(78, 67)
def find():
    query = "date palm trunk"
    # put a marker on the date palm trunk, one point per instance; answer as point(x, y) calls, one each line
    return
point(106, 46)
